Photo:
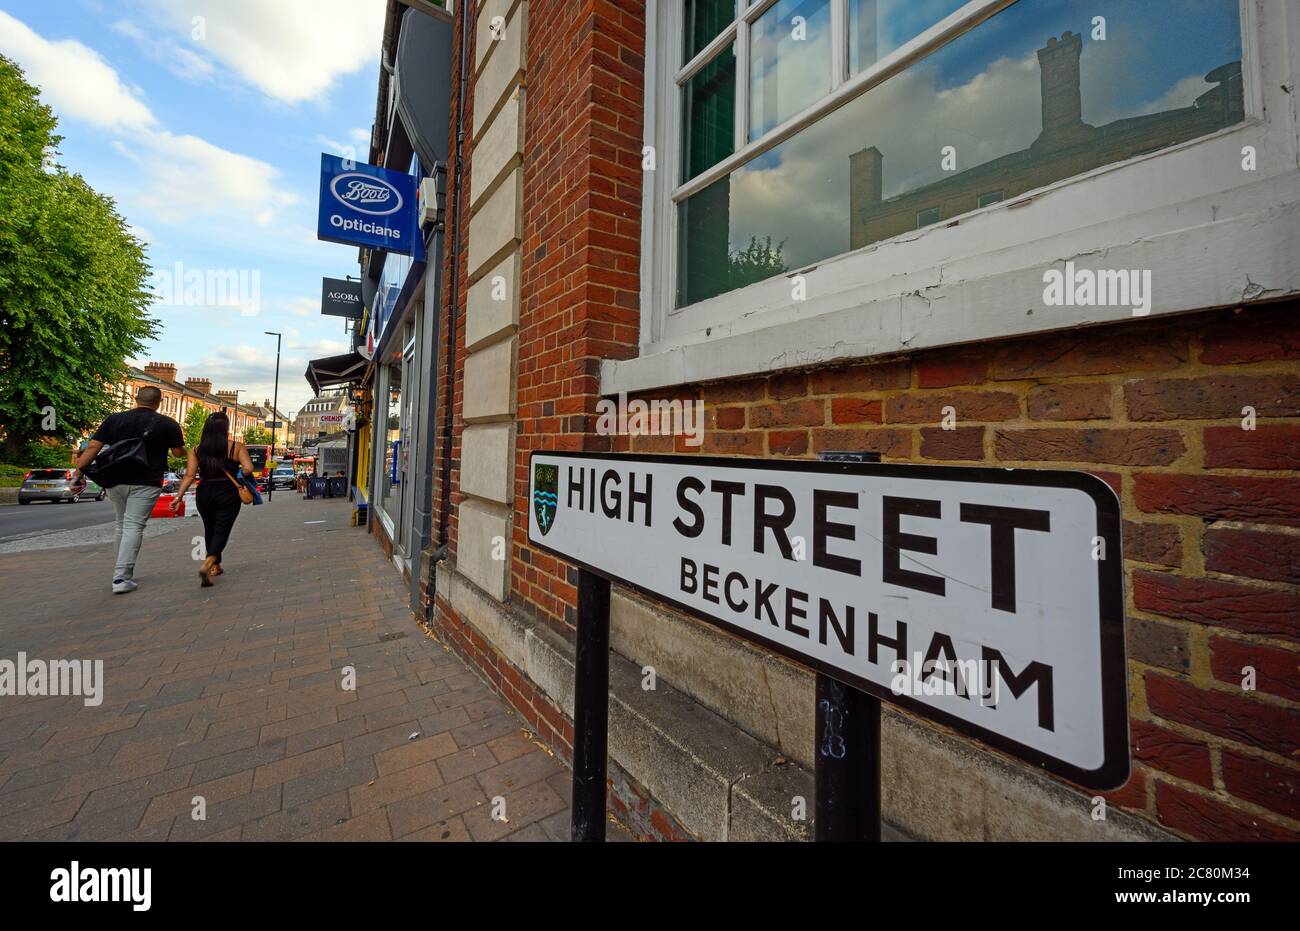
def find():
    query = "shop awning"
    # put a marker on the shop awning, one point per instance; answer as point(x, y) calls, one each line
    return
point(333, 371)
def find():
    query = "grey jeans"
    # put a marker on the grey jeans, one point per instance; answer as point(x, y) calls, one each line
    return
point(133, 504)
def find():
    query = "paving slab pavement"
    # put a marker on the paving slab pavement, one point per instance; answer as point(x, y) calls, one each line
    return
point(230, 702)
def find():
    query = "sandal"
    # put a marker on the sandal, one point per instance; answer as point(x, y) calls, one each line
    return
point(205, 572)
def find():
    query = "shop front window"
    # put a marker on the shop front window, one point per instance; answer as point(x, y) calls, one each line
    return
point(406, 453)
point(390, 483)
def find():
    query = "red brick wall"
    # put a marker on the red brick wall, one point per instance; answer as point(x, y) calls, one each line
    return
point(581, 247)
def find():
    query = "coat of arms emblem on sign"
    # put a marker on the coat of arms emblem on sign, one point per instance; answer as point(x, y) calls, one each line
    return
point(546, 481)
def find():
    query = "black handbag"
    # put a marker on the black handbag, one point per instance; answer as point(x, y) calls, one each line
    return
point(107, 468)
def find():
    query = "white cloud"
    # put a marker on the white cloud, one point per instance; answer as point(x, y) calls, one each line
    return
point(304, 306)
point(74, 80)
point(317, 348)
point(142, 233)
point(187, 177)
point(291, 50)
point(177, 59)
point(252, 370)
point(344, 149)
point(358, 141)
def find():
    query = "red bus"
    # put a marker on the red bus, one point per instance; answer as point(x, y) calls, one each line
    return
point(260, 456)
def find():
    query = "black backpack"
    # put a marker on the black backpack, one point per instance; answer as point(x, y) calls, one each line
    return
point(112, 461)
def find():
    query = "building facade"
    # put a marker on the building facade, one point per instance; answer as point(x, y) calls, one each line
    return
point(285, 433)
point(178, 397)
point(1008, 234)
point(321, 416)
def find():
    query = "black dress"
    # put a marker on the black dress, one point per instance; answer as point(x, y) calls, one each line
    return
point(218, 504)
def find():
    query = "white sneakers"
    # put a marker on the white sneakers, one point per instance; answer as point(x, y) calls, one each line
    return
point(122, 586)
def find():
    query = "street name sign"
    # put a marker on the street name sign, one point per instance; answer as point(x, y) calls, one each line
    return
point(988, 600)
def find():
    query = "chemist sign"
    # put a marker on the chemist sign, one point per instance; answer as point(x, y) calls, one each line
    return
point(365, 205)
point(989, 600)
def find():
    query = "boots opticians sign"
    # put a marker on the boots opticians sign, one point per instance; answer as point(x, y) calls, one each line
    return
point(989, 600)
point(366, 205)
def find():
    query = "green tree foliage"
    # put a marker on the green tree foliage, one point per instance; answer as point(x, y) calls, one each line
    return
point(257, 436)
point(757, 261)
point(40, 455)
point(195, 418)
point(73, 283)
point(192, 431)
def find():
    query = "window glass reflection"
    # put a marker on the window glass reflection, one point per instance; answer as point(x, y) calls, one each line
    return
point(389, 489)
point(709, 114)
point(789, 61)
point(878, 27)
point(702, 21)
point(1025, 99)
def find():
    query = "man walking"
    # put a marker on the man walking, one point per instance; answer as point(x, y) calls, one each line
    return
point(136, 488)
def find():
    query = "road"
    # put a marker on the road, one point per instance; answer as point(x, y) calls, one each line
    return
point(17, 519)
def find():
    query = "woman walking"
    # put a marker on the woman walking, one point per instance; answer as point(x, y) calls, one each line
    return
point(214, 464)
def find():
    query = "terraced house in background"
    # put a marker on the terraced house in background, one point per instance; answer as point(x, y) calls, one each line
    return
point(1012, 234)
point(179, 397)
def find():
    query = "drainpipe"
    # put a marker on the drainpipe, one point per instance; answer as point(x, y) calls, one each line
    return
point(444, 518)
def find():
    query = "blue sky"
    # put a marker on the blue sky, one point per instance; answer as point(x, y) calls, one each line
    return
point(205, 122)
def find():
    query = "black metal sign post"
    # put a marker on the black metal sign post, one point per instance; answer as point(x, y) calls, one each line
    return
point(846, 775)
point(590, 708)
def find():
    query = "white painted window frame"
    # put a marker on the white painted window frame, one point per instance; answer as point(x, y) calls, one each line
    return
point(1211, 233)
point(424, 6)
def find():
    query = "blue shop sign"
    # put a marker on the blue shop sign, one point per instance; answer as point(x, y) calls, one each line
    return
point(365, 205)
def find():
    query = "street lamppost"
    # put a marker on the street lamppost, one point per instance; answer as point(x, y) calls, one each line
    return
point(275, 404)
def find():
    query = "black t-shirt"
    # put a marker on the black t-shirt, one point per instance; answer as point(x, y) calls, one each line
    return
point(165, 434)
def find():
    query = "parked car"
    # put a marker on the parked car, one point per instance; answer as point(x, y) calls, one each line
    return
point(56, 485)
point(282, 477)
